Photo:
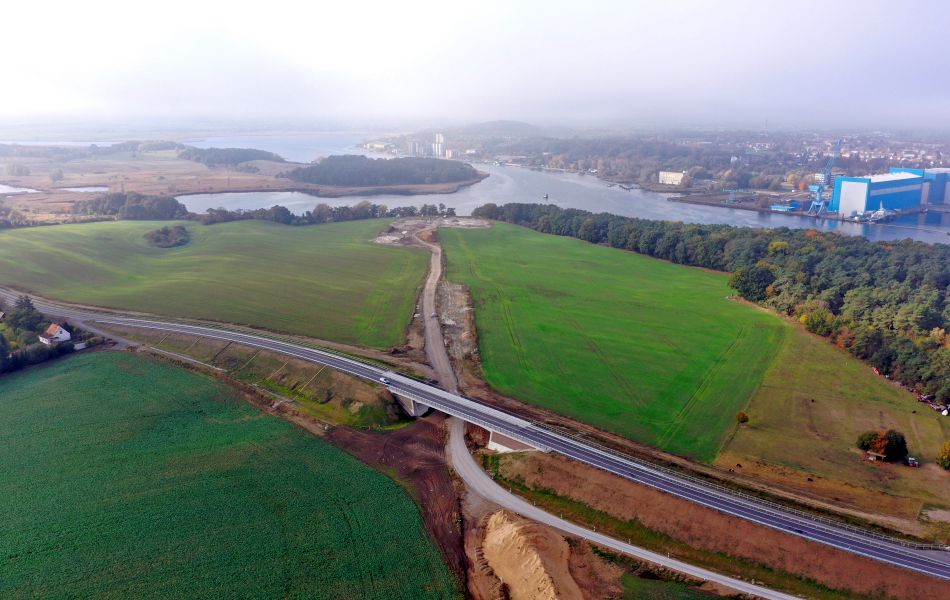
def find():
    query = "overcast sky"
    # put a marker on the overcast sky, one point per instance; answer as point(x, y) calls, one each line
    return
point(661, 63)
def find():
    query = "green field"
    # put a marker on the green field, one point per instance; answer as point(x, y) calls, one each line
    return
point(641, 347)
point(328, 281)
point(813, 403)
point(122, 477)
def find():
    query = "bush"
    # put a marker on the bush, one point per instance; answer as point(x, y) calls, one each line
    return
point(943, 459)
point(866, 440)
point(168, 237)
point(742, 418)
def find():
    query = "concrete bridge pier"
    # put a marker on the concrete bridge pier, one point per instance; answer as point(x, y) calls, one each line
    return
point(411, 407)
point(503, 444)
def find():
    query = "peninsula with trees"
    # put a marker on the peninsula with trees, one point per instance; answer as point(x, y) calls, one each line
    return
point(63, 184)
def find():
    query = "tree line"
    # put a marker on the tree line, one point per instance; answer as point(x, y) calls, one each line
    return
point(322, 213)
point(884, 302)
point(360, 171)
point(214, 157)
point(132, 206)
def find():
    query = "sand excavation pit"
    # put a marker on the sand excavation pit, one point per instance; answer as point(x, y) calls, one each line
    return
point(402, 231)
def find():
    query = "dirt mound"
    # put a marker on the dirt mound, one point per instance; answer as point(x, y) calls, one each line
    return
point(530, 559)
point(710, 530)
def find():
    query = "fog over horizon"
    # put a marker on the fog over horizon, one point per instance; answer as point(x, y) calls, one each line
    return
point(857, 64)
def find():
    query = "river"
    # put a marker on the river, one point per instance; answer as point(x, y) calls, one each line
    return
point(515, 184)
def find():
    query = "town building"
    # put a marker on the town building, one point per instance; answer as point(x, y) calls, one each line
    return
point(54, 334)
point(671, 177)
point(890, 191)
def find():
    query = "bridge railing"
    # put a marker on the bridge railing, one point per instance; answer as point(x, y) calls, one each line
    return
point(758, 500)
point(287, 339)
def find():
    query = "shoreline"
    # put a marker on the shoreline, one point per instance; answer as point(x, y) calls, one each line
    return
point(323, 191)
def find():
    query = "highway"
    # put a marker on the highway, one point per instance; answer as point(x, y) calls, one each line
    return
point(929, 561)
point(479, 482)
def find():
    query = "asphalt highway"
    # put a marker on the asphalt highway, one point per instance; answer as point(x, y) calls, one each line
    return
point(928, 561)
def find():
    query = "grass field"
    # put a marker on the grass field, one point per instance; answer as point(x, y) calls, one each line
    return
point(641, 347)
point(123, 477)
point(813, 403)
point(328, 281)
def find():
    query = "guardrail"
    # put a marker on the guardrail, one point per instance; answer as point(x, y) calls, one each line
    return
point(757, 500)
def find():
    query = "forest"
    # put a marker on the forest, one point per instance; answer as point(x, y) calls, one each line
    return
point(132, 206)
point(216, 157)
point(360, 171)
point(884, 302)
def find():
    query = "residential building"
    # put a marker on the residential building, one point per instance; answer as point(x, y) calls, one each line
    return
point(671, 177)
point(54, 334)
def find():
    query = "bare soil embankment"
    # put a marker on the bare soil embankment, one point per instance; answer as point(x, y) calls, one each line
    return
point(710, 530)
point(414, 455)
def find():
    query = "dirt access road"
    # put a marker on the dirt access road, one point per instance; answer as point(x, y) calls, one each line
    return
point(478, 482)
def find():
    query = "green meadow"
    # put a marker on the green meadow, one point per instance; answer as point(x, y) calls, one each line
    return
point(650, 350)
point(329, 281)
point(126, 478)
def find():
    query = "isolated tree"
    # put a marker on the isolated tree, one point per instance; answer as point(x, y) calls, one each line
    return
point(742, 418)
point(56, 175)
point(895, 446)
point(943, 459)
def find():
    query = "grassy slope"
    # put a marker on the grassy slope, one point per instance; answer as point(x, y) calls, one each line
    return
point(327, 281)
point(788, 429)
point(122, 477)
point(644, 348)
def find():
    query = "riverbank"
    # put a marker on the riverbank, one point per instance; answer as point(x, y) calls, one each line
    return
point(55, 186)
point(329, 191)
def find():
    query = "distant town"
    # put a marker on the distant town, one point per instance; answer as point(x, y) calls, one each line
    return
point(858, 176)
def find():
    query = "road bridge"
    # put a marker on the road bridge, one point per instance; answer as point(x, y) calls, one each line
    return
point(931, 560)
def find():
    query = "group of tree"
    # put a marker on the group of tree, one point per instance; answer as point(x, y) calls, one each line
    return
point(322, 213)
point(231, 157)
point(132, 206)
point(885, 302)
point(360, 171)
point(19, 336)
point(890, 444)
point(168, 237)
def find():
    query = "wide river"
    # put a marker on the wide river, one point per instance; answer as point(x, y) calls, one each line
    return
point(515, 184)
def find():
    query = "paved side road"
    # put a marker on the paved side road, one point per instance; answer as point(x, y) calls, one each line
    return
point(846, 538)
point(479, 482)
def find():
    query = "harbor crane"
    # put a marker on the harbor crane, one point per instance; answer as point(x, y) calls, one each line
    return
point(818, 204)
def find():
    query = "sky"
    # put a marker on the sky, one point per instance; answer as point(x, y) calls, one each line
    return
point(765, 63)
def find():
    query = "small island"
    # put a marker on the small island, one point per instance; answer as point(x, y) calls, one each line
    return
point(352, 170)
